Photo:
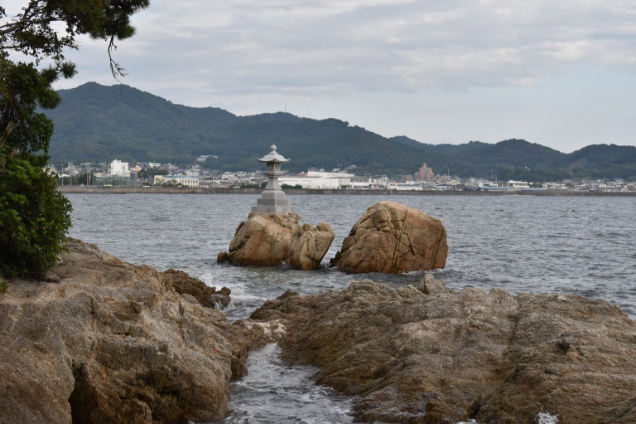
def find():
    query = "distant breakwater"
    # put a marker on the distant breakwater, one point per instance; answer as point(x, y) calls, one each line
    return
point(294, 191)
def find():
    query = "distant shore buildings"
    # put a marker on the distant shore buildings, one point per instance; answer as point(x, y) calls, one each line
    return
point(118, 173)
point(184, 180)
point(319, 179)
point(425, 174)
point(119, 169)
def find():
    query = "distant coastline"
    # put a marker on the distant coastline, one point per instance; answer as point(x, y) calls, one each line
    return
point(333, 192)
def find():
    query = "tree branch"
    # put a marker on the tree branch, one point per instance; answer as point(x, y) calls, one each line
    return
point(115, 68)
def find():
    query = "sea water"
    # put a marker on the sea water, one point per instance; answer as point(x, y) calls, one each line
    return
point(577, 245)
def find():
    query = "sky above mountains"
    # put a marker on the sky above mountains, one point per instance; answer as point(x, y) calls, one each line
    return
point(561, 73)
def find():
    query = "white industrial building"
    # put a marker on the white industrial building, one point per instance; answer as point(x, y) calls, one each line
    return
point(368, 183)
point(517, 185)
point(119, 169)
point(319, 179)
point(177, 179)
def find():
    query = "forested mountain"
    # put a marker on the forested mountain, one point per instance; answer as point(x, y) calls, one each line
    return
point(444, 149)
point(96, 122)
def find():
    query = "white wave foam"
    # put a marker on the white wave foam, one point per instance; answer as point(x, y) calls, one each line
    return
point(542, 417)
point(239, 290)
point(546, 418)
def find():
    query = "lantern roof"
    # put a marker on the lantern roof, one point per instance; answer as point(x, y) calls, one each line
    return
point(273, 156)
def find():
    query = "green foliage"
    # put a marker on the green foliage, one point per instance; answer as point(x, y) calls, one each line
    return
point(150, 173)
point(34, 218)
point(23, 89)
point(538, 174)
point(35, 30)
point(3, 287)
point(291, 186)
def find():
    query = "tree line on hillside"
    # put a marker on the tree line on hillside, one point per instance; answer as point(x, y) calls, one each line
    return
point(95, 122)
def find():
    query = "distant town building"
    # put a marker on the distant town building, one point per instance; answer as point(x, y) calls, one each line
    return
point(369, 183)
point(425, 174)
point(203, 158)
point(405, 187)
point(517, 185)
point(320, 179)
point(154, 165)
point(119, 169)
point(177, 179)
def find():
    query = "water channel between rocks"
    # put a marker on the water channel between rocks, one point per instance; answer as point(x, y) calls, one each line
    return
point(581, 246)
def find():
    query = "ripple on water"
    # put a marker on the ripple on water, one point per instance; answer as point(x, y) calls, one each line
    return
point(274, 392)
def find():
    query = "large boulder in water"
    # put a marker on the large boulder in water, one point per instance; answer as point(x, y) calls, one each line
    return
point(434, 355)
point(393, 238)
point(104, 341)
point(268, 240)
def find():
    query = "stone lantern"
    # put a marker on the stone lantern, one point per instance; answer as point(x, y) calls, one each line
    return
point(272, 200)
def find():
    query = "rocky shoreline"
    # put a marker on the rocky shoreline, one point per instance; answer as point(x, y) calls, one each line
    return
point(104, 341)
point(434, 355)
point(101, 340)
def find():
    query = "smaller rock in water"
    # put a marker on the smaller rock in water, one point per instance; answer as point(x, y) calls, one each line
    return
point(310, 245)
point(207, 296)
point(269, 240)
point(221, 299)
point(262, 240)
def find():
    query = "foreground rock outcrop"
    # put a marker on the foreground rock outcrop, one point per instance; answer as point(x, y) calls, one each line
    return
point(269, 240)
point(207, 296)
point(393, 238)
point(433, 355)
point(109, 342)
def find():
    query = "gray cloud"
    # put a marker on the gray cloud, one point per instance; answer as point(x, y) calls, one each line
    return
point(310, 48)
point(251, 56)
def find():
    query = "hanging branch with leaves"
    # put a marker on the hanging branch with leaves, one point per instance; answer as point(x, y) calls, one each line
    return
point(35, 30)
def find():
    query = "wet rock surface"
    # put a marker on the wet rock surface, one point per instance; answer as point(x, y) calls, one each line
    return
point(393, 238)
point(269, 240)
point(434, 355)
point(207, 296)
point(111, 342)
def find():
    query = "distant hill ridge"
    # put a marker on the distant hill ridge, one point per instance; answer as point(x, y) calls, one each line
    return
point(96, 122)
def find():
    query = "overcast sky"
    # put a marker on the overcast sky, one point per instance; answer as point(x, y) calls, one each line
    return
point(561, 73)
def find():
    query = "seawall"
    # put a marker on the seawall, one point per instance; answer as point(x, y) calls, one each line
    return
point(294, 191)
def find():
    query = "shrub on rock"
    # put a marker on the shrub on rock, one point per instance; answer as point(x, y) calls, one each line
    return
point(34, 218)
